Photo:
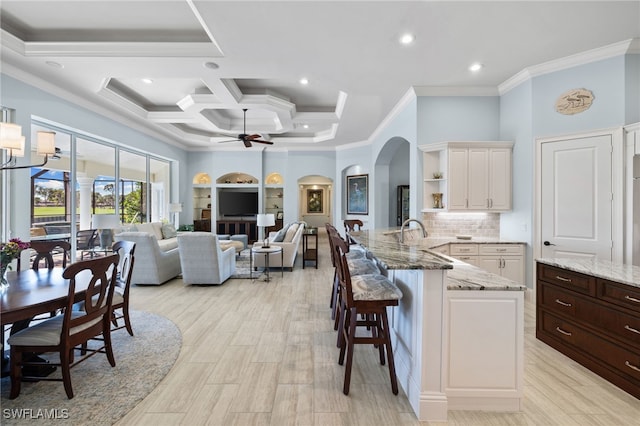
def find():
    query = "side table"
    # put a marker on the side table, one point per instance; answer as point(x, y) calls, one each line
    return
point(267, 252)
point(309, 252)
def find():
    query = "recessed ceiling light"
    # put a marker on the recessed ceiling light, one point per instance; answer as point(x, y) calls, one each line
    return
point(147, 81)
point(54, 64)
point(211, 65)
point(407, 38)
point(304, 81)
point(306, 126)
point(476, 67)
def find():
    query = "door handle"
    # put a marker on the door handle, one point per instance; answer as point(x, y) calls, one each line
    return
point(547, 243)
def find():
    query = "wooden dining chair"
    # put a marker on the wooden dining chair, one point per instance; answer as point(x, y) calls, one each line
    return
point(45, 250)
point(68, 332)
point(126, 251)
point(368, 295)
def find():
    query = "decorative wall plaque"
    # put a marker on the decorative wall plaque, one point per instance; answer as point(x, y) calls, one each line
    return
point(574, 101)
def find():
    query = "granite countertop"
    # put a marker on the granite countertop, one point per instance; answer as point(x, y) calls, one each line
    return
point(622, 273)
point(391, 254)
point(386, 247)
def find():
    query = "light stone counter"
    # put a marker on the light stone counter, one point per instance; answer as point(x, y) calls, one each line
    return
point(416, 253)
point(625, 274)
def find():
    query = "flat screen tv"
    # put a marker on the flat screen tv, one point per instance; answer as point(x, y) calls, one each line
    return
point(237, 203)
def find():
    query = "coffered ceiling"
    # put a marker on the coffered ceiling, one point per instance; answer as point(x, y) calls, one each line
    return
point(204, 61)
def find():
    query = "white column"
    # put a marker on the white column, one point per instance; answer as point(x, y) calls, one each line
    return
point(86, 185)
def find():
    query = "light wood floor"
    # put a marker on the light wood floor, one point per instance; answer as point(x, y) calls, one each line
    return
point(257, 353)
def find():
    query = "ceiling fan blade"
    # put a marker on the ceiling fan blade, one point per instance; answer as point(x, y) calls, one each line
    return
point(251, 137)
point(247, 143)
point(265, 142)
point(230, 140)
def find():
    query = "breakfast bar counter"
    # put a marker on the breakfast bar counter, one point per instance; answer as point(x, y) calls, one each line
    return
point(458, 332)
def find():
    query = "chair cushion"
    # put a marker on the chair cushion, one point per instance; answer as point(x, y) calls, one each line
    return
point(362, 267)
point(45, 333)
point(374, 287)
point(291, 232)
point(168, 231)
point(279, 237)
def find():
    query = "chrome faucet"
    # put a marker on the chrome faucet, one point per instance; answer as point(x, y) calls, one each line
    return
point(406, 222)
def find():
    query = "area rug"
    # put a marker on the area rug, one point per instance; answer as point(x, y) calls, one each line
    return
point(242, 265)
point(102, 395)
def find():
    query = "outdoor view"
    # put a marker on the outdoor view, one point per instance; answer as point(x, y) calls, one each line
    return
point(51, 197)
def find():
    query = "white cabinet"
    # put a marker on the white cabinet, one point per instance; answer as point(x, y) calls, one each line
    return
point(476, 175)
point(443, 249)
point(468, 253)
point(506, 260)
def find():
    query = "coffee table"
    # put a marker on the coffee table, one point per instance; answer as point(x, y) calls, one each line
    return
point(267, 252)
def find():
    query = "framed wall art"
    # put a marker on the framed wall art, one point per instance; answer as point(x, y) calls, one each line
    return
point(358, 194)
point(315, 201)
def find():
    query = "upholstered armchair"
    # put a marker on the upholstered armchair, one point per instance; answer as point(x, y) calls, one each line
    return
point(153, 266)
point(202, 259)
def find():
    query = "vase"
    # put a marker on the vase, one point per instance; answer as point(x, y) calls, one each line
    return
point(4, 283)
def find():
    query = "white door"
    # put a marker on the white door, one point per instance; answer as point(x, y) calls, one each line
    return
point(576, 198)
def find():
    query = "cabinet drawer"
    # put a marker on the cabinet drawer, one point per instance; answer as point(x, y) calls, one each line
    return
point(568, 279)
point(444, 249)
point(619, 294)
point(590, 314)
point(503, 249)
point(559, 301)
point(463, 249)
point(560, 329)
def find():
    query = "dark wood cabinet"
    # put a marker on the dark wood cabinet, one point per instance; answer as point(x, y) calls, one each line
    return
point(594, 321)
point(232, 227)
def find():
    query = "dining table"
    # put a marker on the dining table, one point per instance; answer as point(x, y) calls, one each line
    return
point(34, 292)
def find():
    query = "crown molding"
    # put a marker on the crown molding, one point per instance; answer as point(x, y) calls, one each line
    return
point(621, 48)
point(456, 91)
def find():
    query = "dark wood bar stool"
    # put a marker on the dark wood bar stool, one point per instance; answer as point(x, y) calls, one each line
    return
point(369, 295)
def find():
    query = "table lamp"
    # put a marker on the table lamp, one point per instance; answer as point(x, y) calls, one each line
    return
point(105, 223)
point(265, 220)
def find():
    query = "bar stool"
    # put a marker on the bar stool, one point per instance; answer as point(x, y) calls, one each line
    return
point(369, 295)
point(359, 264)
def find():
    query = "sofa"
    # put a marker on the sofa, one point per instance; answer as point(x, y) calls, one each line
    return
point(288, 238)
point(203, 260)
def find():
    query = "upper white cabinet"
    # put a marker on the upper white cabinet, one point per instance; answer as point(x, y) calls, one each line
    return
point(473, 176)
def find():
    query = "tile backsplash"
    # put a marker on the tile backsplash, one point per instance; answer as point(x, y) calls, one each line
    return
point(450, 224)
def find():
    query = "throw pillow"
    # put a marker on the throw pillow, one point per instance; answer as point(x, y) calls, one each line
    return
point(288, 237)
point(168, 231)
point(146, 227)
point(279, 237)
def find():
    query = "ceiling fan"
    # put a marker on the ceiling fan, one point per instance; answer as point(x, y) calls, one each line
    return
point(245, 138)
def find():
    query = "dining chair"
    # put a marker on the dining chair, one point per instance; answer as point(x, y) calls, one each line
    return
point(85, 241)
point(45, 250)
point(368, 295)
point(68, 332)
point(126, 250)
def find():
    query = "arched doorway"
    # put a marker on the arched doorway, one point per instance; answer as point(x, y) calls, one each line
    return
point(392, 179)
point(315, 199)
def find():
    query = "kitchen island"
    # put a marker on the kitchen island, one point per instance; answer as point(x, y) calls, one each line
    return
point(458, 332)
